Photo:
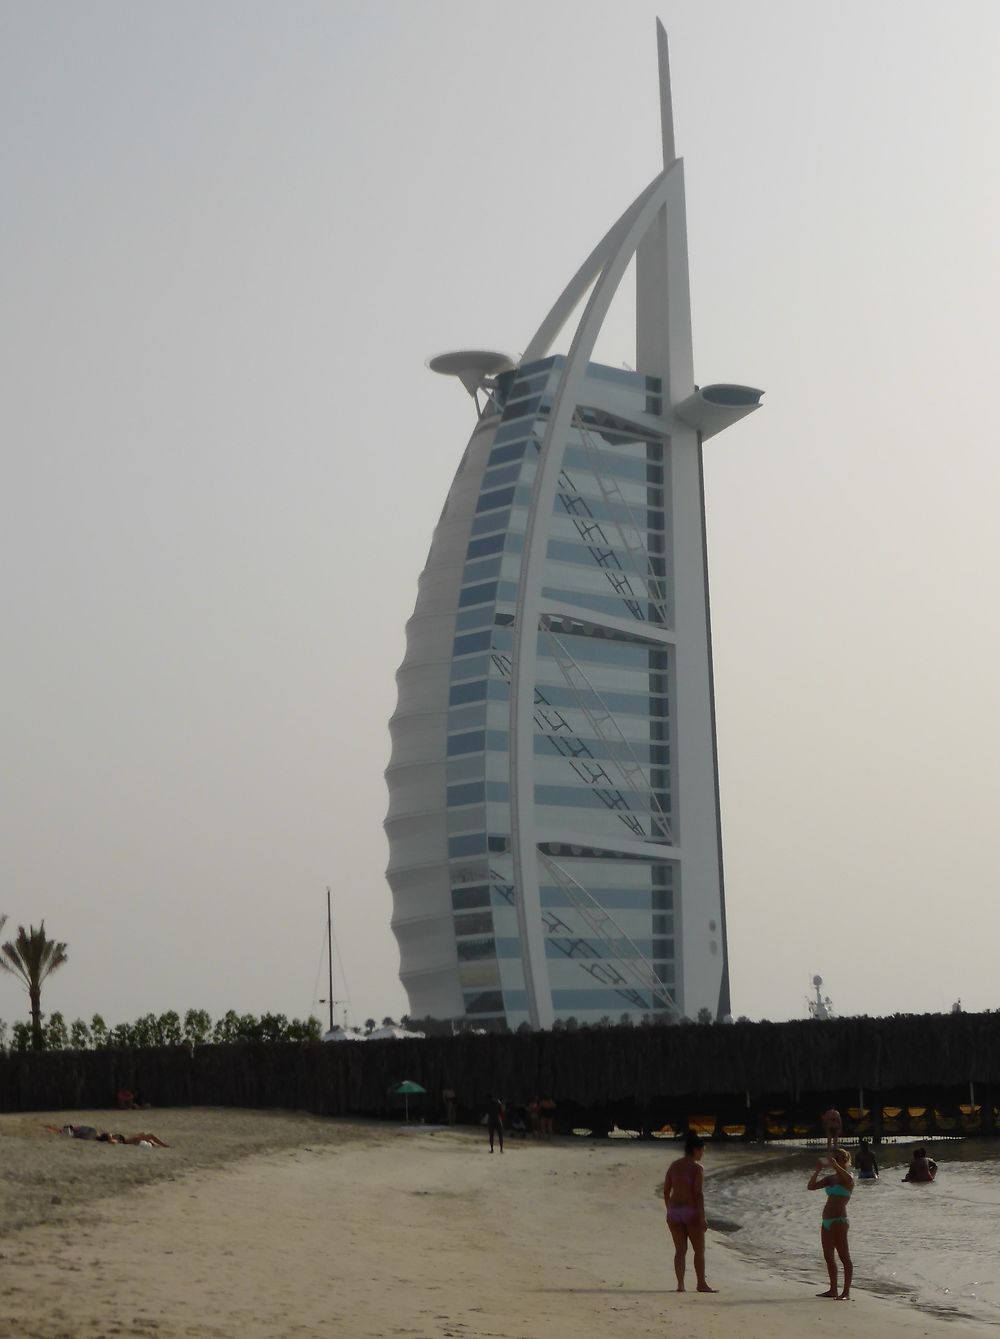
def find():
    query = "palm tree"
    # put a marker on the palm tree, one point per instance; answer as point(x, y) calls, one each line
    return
point(33, 957)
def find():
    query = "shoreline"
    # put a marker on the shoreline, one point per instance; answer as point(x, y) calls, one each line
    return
point(266, 1225)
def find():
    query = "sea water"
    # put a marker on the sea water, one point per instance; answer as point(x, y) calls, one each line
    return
point(934, 1245)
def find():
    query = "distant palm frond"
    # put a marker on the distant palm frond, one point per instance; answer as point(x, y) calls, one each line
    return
point(32, 955)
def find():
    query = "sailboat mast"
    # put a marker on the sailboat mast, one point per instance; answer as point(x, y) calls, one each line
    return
point(329, 953)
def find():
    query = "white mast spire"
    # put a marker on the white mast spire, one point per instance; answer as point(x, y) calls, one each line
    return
point(666, 107)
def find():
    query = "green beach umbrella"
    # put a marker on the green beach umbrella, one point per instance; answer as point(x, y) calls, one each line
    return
point(407, 1087)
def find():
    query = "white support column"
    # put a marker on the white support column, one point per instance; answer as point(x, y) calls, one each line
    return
point(639, 218)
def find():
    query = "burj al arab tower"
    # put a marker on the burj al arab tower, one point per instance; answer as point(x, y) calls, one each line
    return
point(554, 834)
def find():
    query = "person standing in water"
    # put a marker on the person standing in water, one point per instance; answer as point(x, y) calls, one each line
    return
point(865, 1162)
point(685, 1203)
point(833, 1176)
point(921, 1168)
point(833, 1126)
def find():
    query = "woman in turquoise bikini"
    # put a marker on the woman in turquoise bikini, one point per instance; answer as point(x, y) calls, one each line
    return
point(685, 1202)
point(833, 1176)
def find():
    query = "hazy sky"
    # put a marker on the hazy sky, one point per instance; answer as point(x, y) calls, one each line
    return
point(230, 235)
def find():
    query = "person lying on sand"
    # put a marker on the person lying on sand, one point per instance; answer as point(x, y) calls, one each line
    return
point(74, 1131)
point(106, 1137)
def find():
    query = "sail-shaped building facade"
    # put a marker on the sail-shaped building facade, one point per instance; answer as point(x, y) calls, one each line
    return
point(554, 828)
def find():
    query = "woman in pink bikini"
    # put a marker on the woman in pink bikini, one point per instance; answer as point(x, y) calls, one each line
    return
point(682, 1194)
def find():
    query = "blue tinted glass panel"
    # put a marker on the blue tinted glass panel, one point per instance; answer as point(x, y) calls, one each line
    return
point(482, 569)
point(495, 478)
point(500, 455)
point(467, 692)
point(474, 641)
point(571, 502)
point(583, 796)
point(469, 667)
point(473, 793)
point(478, 923)
point(472, 742)
point(623, 467)
point(633, 704)
point(532, 385)
point(601, 372)
point(463, 769)
point(469, 950)
point(511, 432)
point(497, 520)
point(470, 818)
point(599, 651)
point(472, 843)
point(463, 899)
point(496, 741)
point(473, 618)
point(596, 748)
point(479, 548)
point(635, 607)
point(522, 408)
point(478, 594)
point(542, 364)
point(500, 497)
point(467, 718)
point(615, 899)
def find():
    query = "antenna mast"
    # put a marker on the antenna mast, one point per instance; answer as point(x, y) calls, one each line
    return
point(329, 952)
point(822, 1005)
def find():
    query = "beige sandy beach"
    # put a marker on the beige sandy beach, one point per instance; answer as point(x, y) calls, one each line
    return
point(280, 1226)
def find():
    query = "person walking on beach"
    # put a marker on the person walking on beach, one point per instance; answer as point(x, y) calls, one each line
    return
point(534, 1118)
point(546, 1115)
point(685, 1203)
point(494, 1119)
point(450, 1104)
point(833, 1176)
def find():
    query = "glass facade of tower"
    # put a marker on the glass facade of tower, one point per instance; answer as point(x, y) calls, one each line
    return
point(602, 706)
point(554, 825)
